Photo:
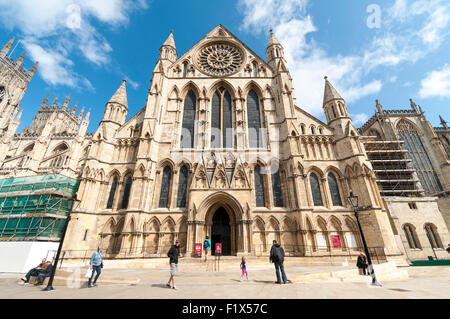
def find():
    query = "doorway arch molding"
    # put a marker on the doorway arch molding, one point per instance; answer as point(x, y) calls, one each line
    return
point(214, 201)
point(231, 205)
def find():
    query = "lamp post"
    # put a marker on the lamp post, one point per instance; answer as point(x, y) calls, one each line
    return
point(52, 275)
point(353, 200)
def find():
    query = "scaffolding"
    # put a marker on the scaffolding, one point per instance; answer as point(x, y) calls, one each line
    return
point(393, 169)
point(35, 208)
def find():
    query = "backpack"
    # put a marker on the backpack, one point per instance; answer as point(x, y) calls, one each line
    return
point(206, 244)
point(277, 254)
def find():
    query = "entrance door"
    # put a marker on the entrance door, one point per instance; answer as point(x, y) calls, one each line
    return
point(221, 231)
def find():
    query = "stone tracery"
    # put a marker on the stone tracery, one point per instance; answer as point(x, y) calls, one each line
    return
point(219, 59)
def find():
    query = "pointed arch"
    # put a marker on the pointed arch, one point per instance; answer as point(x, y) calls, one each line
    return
point(316, 189)
point(191, 85)
point(334, 188)
point(255, 118)
point(152, 225)
point(131, 225)
point(259, 186)
point(188, 121)
point(222, 83)
point(166, 182)
point(126, 190)
point(182, 186)
point(168, 224)
point(222, 116)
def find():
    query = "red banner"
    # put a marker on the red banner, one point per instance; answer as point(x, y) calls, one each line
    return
point(198, 249)
point(336, 241)
point(218, 250)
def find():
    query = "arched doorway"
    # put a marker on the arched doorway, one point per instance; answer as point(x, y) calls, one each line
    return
point(221, 231)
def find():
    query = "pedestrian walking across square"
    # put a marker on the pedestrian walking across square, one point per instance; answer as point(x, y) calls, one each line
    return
point(244, 269)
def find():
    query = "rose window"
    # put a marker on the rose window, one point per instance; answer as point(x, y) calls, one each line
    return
point(219, 59)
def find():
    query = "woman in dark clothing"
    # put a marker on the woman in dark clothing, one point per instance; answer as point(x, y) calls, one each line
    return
point(362, 263)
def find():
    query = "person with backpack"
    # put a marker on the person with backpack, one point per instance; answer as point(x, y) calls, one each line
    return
point(173, 254)
point(206, 247)
point(277, 257)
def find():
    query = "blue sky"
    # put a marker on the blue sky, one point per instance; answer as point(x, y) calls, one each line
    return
point(87, 47)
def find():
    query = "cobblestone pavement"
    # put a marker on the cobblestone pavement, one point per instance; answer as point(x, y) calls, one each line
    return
point(424, 282)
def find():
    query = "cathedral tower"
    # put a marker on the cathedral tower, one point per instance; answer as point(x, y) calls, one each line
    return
point(14, 81)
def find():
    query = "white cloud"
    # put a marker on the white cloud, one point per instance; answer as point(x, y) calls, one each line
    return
point(65, 27)
point(360, 118)
point(410, 30)
point(436, 83)
point(307, 61)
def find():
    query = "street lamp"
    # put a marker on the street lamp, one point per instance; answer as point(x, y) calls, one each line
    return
point(353, 200)
point(50, 280)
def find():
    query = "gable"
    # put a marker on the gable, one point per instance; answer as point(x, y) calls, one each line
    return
point(218, 54)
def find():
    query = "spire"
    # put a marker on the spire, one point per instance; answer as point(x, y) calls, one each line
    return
point(272, 39)
point(66, 102)
point(19, 115)
point(19, 61)
point(444, 123)
point(74, 110)
point(44, 103)
point(168, 50)
point(170, 41)
point(7, 47)
point(33, 69)
point(81, 113)
point(55, 101)
point(86, 118)
point(413, 105)
point(120, 97)
point(379, 107)
point(330, 92)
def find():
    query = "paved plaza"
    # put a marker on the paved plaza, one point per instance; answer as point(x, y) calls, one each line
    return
point(423, 282)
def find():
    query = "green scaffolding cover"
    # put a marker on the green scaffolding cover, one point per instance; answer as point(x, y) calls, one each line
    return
point(35, 207)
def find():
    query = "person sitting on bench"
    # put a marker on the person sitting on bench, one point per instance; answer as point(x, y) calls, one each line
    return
point(44, 273)
point(35, 271)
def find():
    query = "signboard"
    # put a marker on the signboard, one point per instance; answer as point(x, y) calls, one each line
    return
point(218, 250)
point(198, 250)
point(336, 241)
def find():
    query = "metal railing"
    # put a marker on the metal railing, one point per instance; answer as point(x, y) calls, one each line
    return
point(332, 255)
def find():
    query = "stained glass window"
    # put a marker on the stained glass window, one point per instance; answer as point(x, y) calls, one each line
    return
point(419, 157)
point(165, 187)
point(276, 189)
point(221, 120)
point(112, 192)
point(334, 190)
point(182, 187)
point(254, 120)
point(315, 190)
point(259, 187)
point(187, 138)
point(126, 193)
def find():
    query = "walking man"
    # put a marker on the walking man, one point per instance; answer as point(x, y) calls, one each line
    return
point(206, 247)
point(96, 265)
point(173, 254)
point(277, 257)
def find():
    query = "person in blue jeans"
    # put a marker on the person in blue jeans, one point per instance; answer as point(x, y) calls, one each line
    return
point(96, 265)
point(277, 257)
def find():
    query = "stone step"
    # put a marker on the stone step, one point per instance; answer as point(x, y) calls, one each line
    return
point(384, 272)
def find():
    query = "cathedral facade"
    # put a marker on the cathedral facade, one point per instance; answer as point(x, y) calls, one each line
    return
point(220, 149)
